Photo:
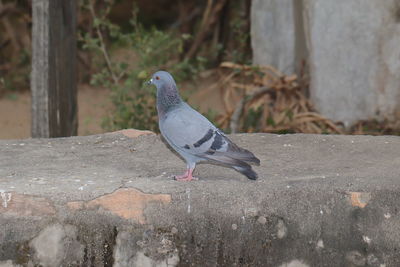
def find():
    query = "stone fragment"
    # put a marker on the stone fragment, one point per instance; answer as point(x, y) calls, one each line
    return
point(359, 199)
point(57, 245)
point(133, 133)
point(128, 203)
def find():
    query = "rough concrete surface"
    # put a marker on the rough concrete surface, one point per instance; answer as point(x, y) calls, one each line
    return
point(354, 58)
point(109, 200)
point(273, 34)
point(350, 46)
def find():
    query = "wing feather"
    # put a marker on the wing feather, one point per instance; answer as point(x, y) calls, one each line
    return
point(186, 129)
point(189, 131)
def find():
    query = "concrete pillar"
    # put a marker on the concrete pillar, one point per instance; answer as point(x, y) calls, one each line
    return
point(352, 47)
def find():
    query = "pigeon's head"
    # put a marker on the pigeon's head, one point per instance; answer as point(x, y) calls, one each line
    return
point(167, 93)
point(162, 79)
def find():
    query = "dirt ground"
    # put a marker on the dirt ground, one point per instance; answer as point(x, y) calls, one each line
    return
point(15, 113)
point(93, 105)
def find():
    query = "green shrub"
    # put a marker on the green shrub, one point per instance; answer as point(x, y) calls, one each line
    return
point(134, 103)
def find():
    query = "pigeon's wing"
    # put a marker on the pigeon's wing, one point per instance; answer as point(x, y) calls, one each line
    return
point(189, 131)
point(224, 151)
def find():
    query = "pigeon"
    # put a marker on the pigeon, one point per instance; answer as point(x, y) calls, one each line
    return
point(193, 136)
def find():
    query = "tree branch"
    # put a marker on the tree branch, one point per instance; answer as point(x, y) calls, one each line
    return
point(102, 44)
point(234, 122)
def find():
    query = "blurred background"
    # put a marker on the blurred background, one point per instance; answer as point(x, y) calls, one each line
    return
point(309, 66)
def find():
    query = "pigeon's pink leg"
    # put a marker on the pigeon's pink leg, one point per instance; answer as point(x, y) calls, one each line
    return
point(187, 176)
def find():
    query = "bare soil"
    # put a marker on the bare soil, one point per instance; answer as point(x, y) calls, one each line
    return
point(15, 112)
point(93, 105)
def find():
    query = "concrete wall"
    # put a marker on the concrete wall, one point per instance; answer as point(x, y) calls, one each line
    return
point(352, 48)
point(267, 44)
point(110, 200)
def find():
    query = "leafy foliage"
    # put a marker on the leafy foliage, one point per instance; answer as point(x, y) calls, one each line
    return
point(152, 49)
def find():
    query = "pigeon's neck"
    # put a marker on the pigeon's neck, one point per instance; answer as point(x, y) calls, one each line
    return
point(167, 99)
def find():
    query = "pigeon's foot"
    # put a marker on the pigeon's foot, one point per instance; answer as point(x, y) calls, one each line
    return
point(186, 179)
point(187, 176)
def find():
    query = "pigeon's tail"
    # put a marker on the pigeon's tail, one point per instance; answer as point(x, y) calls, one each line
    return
point(244, 155)
point(237, 164)
point(236, 152)
point(248, 172)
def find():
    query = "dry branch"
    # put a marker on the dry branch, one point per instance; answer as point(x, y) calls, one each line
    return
point(103, 44)
point(282, 100)
point(210, 16)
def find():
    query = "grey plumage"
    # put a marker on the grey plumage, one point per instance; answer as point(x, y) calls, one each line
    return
point(193, 136)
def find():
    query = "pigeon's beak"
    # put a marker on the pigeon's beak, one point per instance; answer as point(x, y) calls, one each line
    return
point(149, 81)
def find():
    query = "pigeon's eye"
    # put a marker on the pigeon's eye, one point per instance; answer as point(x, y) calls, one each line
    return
point(157, 78)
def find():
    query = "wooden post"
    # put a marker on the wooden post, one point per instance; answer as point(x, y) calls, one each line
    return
point(53, 77)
